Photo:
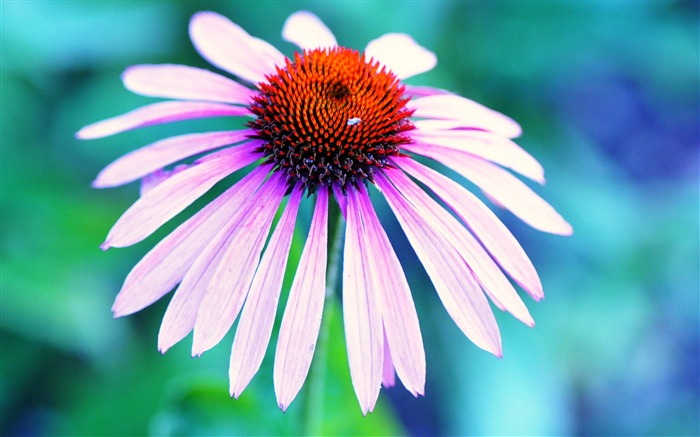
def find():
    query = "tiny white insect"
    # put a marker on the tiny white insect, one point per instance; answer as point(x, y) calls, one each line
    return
point(354, 121)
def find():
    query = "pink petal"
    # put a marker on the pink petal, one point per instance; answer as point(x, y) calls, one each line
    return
point(228, 286)
point(440, 126)
point(165, 265)
point(436, 125)
point(477, 259)
point(147, 159)
point(398, 311)
point(202, 260)
point(172, 196)
point(307, 31)
point(181, 315)
point(156, 178)
point(229, 47)
point(183, 82)
point(482, 144)
point(424, 91)
point(401, 54)
point(302, 317)
point(484, 224)
point(458, 291)
point(388, 379)
point(361, 311)
point(158, 113)
point(341, 199)
point(258, 315)
point(472, 114)
point(510, 192)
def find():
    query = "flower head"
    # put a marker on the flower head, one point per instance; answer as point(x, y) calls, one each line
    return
point(331, 118)
point(329, 122)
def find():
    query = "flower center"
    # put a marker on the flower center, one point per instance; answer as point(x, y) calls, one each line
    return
point(330, 117)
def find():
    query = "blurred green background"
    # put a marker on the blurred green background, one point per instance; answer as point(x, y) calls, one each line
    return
point(607, 94)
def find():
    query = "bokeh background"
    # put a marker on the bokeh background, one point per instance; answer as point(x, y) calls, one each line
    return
point(607, 93)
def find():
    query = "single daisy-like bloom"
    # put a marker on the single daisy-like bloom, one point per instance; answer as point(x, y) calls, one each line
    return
point(327, 123)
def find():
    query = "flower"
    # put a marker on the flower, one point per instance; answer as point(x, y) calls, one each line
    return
point(331, 122)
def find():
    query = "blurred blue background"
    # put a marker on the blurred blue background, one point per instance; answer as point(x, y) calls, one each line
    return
point(607, 94)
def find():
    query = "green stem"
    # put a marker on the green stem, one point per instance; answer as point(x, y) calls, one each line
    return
point(315, 395)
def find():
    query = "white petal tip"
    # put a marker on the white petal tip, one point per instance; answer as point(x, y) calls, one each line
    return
point(369, 408)
point(365, 410)
point(163, 347)
point(100, 183)
point(199, 346)
point(127, 78)
point(202, 15)
point(307, 31)
point(106, 245)
point(197, 349)
point(86, 133)
point(535, 292)
point(494, 349)
point(536, 177)
point(565, 230)
point(119, 312)
point(416, 391)
point(401, 54)
point(302, 15)
point(126, 73)
point(235, 389)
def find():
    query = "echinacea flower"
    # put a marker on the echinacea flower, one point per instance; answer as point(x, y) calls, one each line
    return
point(329, 122)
